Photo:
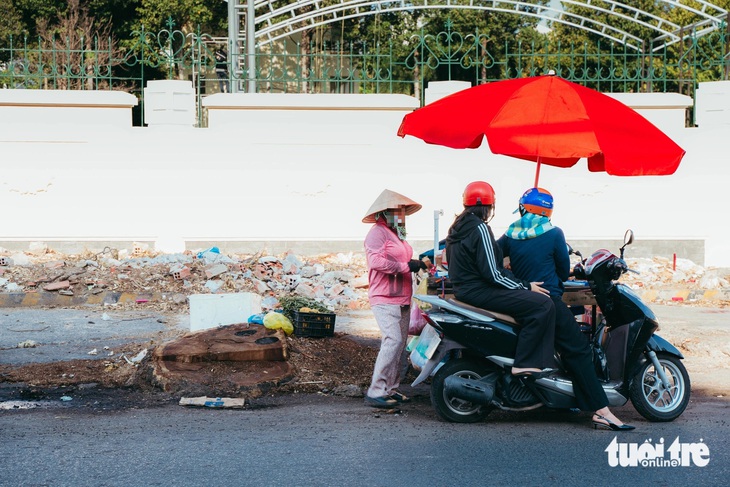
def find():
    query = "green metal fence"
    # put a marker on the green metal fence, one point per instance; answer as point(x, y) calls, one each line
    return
point(288, 67)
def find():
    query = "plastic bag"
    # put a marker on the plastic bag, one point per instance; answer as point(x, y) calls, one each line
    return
point(422, 287)
point(425, 347)
point(257, 319)
point(277, 321)
point(417, 320)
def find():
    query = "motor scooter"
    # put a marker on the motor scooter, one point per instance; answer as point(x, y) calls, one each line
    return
point(471, 351)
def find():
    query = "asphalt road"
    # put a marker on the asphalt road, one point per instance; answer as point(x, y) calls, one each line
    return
point(324, 440)
point(314, 440)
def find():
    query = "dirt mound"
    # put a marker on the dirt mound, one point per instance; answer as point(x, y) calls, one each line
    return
point(327, 364)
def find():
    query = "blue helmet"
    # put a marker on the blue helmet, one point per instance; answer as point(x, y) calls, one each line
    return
point(538, 201)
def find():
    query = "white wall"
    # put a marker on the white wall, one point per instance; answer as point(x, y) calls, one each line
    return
point(308, 173)
point(64, 108)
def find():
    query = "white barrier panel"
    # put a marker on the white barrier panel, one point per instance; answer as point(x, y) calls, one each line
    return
point(66, 108)
point(169, 102)
point(299, 169)
point(713, 104)
point(213, 310)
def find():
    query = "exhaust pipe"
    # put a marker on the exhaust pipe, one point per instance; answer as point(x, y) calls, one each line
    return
point(474, 391)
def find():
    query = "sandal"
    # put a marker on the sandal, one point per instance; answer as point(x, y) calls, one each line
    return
point(399, 397)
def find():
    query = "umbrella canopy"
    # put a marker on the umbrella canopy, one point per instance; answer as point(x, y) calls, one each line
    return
point(548, 120)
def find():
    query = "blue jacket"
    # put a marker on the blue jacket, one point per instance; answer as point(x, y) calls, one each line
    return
point(539, 259)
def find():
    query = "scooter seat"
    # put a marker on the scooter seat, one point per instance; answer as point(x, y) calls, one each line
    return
point(491, 314)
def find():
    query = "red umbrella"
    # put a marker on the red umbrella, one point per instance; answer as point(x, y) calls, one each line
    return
point(548, 120)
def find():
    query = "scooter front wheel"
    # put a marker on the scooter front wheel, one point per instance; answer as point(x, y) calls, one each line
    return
point(451, 408)
point(652, 399)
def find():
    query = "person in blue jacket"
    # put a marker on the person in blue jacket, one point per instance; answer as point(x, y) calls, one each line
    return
point(537, 251)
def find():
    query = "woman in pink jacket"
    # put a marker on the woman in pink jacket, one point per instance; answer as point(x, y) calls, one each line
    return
point(390, 265)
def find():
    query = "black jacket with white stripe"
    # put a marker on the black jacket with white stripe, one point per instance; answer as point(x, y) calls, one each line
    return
point(475, 259)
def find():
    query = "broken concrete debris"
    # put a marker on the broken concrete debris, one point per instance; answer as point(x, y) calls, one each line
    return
point(214, 402)
point(336, 280)
point(167, 277)
point(180, 272)
point(215, 270)
point(55, 286)
point(137, 359)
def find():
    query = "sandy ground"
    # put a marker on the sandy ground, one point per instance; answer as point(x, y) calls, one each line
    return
point(343, 364)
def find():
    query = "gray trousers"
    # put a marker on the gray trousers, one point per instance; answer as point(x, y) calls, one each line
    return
point(393, 320)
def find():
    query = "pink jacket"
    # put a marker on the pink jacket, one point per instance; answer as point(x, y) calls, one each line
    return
point(388, 274)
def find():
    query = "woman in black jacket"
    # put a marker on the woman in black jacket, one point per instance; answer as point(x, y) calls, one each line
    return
point(480, 279)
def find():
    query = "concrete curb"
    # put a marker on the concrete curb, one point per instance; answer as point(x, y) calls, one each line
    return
point(42, 298)
point(683, 295)
point(39, 299)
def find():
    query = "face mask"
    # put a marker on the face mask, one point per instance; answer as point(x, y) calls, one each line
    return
point(400, 230)
point(398, 225)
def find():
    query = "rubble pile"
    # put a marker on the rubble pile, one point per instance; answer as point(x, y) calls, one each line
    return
point(662, 272)
point(338, 281)
point(335, 280)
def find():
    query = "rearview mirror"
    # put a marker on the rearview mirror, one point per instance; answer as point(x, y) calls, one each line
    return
point(628, 237)
point(572, 251)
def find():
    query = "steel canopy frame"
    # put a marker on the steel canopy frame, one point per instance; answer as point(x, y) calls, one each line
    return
point(277, 19)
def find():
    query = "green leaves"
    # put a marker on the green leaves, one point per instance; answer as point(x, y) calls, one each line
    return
point(292, 303)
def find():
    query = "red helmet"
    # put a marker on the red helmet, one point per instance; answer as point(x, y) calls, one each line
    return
point(479, 193)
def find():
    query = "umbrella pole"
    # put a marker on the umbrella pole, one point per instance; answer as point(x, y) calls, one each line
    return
point(537, 173)
point(436, 214)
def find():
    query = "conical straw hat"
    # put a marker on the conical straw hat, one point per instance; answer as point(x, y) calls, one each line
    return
point(390, 200)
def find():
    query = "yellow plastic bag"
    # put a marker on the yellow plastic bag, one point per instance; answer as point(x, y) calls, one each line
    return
point(277, 321)
point(422, 287)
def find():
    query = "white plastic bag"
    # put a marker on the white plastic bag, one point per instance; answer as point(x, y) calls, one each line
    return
point(427, 343)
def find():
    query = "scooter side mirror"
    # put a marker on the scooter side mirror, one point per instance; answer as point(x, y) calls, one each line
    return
point(628, 237)
point(572, 251)
point(628, 240)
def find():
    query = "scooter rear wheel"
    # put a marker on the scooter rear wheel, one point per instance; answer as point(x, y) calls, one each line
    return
point(452, 408)
point(649, 396)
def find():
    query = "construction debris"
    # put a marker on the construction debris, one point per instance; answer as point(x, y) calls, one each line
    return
point(334, 280)
point(214, 402)
point(337, 281)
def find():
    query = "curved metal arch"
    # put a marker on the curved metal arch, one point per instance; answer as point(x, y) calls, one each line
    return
point(335, 13)
point(269, 29)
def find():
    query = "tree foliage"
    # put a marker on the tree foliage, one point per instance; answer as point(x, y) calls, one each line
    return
point(10, 22)
point(447, 40)
point(74, 38)
point(188, 15)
